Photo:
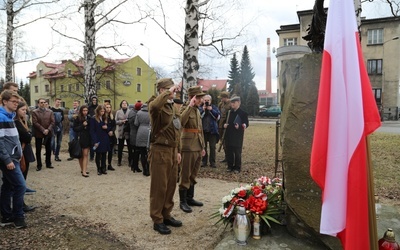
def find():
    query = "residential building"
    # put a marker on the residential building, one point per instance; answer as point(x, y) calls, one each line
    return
point(381, 50)
point(218, 84)
point(128, 79)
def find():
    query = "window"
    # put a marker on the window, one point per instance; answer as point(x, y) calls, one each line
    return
point(46, 88)
point(36, 89)
point(98, 85)
point(69, 87)
point(375, 36)
point(289, 41)
point(69, 73)
point(138, 87)
point(77, 86)
point(63, 104)
point(374, 66)
point(377, 93)
point(139, 71)
point(40, 72)
point(98, 69)
point(108, 84)
point(62, 88)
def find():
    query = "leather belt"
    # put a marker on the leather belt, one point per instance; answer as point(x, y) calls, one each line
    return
point(192, 130)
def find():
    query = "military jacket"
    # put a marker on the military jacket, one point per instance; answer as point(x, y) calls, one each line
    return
point(162, 115)
point(223, 107)
point(192, 138)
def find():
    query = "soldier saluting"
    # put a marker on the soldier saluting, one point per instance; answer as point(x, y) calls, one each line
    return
point(164, 156)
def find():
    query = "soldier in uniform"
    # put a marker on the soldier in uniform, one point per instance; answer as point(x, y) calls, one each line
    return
point(223, 106)
point(164, 156)
point(192, 142)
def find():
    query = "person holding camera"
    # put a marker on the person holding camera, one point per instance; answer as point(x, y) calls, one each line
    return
point(209, 118)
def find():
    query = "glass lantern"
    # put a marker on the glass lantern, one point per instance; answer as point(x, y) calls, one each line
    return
point(241, 226)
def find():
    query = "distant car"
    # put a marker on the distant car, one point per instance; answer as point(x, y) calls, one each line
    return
point(274, 111)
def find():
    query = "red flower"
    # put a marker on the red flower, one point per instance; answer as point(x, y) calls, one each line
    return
point(242, 194)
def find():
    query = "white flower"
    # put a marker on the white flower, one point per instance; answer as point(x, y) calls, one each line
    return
point(221, 210)
point(227, 198)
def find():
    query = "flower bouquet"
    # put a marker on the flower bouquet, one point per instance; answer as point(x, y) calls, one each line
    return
point(262, 197)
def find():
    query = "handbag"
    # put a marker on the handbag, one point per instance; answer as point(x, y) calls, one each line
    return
point(74, 148)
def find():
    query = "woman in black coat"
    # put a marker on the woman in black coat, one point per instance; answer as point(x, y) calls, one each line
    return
point(100, 139)
point(25, 137)
point(111, 134)
point(81, 126)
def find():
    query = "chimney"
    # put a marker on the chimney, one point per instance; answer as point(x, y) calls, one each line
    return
point(268, 72)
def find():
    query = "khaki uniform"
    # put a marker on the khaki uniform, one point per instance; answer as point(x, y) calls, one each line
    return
point(223, 107)
point(192, 142)
point(165, 145)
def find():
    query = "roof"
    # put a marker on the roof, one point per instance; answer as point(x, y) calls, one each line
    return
point(219, 84)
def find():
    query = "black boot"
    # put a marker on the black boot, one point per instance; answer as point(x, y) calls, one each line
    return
point(137, 169)
point(99, 171)
point(146, 171)
point(103, 170)
point(183, 205)
point(110, 167)
point(189, 198)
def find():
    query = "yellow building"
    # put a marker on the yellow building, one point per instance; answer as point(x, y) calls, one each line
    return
point(128, 79)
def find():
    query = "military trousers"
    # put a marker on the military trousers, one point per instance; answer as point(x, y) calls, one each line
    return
point(163, 174)
point(191, 162)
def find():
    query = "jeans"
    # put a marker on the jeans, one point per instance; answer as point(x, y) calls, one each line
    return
point(13, 188)
point(72, 134)
point(56, 142)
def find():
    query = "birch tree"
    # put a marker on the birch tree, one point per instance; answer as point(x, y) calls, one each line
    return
point(98, 15)
point(206, 27)
point(38, 9)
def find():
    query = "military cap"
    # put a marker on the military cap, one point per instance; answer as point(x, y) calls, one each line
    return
point(165, 83)
point(224, 94)
point(195, 91)
point(235, 98)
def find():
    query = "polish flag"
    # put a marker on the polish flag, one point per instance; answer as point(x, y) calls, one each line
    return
point(346, 114)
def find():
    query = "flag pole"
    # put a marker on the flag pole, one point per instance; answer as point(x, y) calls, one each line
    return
point(373, 234)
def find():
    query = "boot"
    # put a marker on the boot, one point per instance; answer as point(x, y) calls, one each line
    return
point(99, 171)
point(189, 198)
point(137, 169)
point(103, 170)
point(183, 205)
point(110, 167)
point(146, 171)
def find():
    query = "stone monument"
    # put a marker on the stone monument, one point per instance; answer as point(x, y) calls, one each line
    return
point(299, 84)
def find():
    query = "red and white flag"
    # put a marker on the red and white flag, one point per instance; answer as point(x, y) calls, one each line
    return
point(346, 114)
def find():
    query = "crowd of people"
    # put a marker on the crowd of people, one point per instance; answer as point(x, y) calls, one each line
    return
point(170, 139)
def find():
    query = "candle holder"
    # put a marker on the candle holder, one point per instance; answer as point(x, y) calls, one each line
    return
point(241, 226)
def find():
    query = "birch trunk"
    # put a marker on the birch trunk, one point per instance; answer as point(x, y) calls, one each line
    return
point(90, 50)
point(191, 46)
point(10, 41)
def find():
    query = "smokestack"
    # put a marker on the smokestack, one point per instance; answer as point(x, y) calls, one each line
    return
point(268, 74)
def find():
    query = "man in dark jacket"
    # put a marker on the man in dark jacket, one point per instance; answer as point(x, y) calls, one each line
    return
point(209, 118)
point(235, 127)
point(43, 122)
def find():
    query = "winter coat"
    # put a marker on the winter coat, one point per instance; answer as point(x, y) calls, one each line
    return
point(83, 132)
point(42, 119)
point(133, 127)
point(142, 121)
point(120, 117)
point(233, 136)
point(99, 135)
point(209, 119)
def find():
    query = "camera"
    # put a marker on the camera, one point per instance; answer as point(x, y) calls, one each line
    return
point(207, 103)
